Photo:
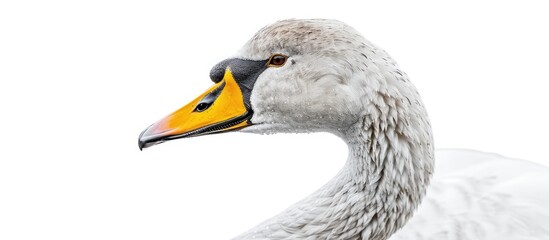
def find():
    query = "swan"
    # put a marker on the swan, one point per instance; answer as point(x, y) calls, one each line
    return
point(318, 75)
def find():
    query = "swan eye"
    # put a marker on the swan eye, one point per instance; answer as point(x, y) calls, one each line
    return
point(277, 60)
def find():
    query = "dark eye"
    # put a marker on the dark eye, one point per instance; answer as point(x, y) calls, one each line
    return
point(277, 60)
point(202, 106)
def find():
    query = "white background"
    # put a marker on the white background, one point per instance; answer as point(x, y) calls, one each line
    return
point(80, 80)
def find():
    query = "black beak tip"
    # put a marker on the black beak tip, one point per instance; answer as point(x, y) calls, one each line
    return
point(140, 144)
point(140, 141)
point(143, 141)
point(146, 140)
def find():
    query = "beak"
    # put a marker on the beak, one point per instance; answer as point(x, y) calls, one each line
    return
point(220, 109)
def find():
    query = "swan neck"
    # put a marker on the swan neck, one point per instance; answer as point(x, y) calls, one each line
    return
point(393, 168)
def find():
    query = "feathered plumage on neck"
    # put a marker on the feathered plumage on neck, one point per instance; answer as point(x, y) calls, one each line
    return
point(381, 118)
point(375, 193)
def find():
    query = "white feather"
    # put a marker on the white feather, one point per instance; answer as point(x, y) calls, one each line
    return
point(477, 195)
point(336, 81)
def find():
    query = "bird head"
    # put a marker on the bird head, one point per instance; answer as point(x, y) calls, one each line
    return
point(291, 76)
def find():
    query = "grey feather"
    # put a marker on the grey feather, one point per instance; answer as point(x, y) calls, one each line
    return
point(336, 81)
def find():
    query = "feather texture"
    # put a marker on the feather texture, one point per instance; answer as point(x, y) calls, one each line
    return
point(336, 81)
point(477, 195)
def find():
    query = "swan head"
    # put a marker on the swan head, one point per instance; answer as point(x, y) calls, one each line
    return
point(296, 76)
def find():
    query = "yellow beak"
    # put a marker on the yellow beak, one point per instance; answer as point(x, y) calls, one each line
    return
point(221, 108)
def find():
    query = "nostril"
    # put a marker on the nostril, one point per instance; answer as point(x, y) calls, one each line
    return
point(202, 106)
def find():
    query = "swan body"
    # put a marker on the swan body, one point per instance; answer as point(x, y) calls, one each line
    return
point(322, 76)
point(476, 195)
